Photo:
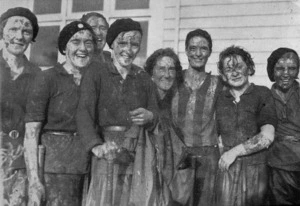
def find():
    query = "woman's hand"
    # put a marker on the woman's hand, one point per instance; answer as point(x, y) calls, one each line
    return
point(141, 116)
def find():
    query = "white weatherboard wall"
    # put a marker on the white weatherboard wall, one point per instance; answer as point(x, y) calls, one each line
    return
point(260, 26)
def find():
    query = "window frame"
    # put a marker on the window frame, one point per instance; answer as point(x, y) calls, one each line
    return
point(151, 14)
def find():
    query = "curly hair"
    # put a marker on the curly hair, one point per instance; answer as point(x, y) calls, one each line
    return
point(158, 54)
point(234, 51)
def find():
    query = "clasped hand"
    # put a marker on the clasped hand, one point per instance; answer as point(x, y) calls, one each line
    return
point(141, 116)
point(101, 151)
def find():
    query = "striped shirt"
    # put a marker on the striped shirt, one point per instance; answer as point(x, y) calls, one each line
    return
point(193, 111)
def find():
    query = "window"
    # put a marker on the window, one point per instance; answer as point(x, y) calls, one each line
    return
point(87, 5)
point(53, 15)
point(132, 4)
point(142, 55)
point(47, 6)
point(44, 51)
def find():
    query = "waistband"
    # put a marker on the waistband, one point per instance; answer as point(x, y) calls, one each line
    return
point(114, 129)
point(201, 151)
point(60, 133)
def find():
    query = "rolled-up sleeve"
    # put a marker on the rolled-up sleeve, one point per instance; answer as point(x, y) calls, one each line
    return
point(267, 114)
point(86, 118)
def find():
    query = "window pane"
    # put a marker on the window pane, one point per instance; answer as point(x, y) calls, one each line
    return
point(132, 4)
point(87, 5)
point(141, 57)
point(47, 6)
point(44, 51)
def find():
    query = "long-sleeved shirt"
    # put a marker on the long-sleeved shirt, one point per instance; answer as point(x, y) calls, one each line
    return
point(285, 154)
point(14, 95)
point(106, 99)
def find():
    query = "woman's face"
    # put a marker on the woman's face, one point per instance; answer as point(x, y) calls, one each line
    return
point(125, 48)
point(79, 49)
point(17, 35)
point(286, 71)
point(164, 73)
point(235, 72)
point(100, 29)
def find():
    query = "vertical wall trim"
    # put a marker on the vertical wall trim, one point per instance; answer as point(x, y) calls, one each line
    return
point(177, 24)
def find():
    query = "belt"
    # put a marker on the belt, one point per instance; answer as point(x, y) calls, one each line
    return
point(59, 133)
point(288, 138)
point(114, 129)
point(13, 134)
point(201, 151)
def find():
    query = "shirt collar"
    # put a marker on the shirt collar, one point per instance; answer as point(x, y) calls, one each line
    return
point(60, 69)
point(249, 90)
point(133, 71)
point(27, 65)
point(294, 89)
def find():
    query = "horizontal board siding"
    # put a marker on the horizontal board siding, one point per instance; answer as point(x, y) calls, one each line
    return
point(279, 32)
point(241, 21)
point(224, 10)
point(259, 26)
point(254, 45)
point(220, 2)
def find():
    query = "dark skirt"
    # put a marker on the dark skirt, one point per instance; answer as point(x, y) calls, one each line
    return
point(284, 187)
point(196, 186)
point(63, 189)
point(97, 193)
point(242, 185)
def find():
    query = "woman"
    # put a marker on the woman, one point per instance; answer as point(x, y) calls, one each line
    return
point(246, 121)
point(166, 72)
point(119, 98)
point(100, 26)
point(51, 111)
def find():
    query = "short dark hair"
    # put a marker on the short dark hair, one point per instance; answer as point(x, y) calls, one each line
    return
point(236, 51)
point(85, 17)
point(166, 52)
point(198, 32)
point(275, 56)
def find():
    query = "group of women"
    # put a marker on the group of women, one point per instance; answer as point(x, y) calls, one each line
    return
point(106, 124)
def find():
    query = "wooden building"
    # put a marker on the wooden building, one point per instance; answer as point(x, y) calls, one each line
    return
point(260, 26)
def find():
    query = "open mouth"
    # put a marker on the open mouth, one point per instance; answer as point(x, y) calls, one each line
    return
point(236, 79)
point(82, 56)
point(18, 44)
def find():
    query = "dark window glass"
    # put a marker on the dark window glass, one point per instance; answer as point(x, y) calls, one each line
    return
point(87, 5)
point(132, 4)
point(44, 51)
point(141, 57)
point(47, 6)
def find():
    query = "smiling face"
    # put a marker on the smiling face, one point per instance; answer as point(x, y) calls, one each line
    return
point(79, 49)
point(125, 48)
point(17, 35)
point(198, 52)
point(164, 73)
point(100, 29)
point(286, 71)
point(235, 72)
